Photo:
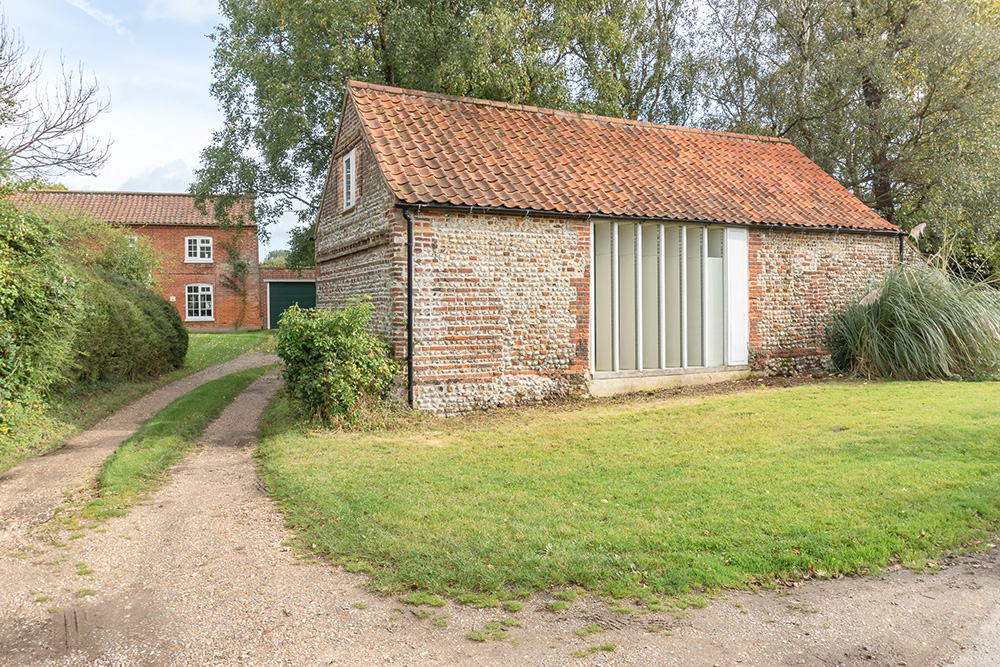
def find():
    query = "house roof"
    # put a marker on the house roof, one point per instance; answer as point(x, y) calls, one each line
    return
point(131, 208)
point(444, 150)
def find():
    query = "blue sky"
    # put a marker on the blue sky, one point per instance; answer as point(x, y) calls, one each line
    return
point(153, 58)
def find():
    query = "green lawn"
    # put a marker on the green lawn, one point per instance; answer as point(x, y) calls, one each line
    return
point(209, 349)
point(651, 497)
point(82, 407)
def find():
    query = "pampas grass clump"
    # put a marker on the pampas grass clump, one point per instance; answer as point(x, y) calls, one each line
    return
point(919, 323)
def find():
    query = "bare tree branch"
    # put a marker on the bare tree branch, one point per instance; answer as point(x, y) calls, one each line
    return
point(43, 128)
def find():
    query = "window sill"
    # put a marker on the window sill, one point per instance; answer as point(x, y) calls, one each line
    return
point(611, 384)
point(656, 372)
point(199, 319)
point(198, 261)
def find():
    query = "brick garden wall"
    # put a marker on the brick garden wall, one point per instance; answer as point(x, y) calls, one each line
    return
point(796, 281)
point(174, 275)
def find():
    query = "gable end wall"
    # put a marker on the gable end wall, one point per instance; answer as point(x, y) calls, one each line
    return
point(362, 252)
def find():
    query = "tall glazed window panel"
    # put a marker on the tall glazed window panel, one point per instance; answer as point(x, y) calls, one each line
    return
point(650, 279)
point(695, 291)
point(715, 299)
point(626, 298)
point(737, 296)
point(673, 241)
point(603, 300)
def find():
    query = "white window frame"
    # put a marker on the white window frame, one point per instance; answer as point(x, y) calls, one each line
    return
point(348, 180)
point(201, 242)
point(202, 288)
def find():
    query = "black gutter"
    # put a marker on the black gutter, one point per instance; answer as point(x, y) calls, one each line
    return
point(498, 210)
point(409, 306)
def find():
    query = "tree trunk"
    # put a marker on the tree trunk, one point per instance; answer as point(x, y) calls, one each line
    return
point(880, 164)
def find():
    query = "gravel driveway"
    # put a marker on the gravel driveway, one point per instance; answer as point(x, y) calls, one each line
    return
point(200, 574)
point(30, 491)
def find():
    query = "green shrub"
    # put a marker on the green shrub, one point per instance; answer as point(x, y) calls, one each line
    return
point(126, 332)
point(88, 242)
point(37, 314)
point(919, 323)
point(73, 306)
point(332, 359)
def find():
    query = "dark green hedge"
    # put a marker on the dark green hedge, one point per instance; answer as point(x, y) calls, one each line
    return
point(73, 309)
point(126, 332)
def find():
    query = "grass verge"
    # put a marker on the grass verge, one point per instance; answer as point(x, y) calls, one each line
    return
point(209, 349)
point(651, 497)
point(138, 466)
point(83, 406)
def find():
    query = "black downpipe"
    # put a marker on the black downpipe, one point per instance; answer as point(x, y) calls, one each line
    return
point(409, 306)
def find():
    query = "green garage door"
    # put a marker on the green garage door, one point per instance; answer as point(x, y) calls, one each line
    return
point(282, 295)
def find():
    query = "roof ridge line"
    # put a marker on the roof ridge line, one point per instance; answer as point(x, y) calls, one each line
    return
point(112, 192)
point(351, 83)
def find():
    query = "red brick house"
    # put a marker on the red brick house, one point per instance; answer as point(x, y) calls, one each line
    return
point(194, 252)
point(516, 253)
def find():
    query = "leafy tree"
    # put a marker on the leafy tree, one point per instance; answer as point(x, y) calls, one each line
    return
point(631, 58)
point(894, 98)
point(302, 253)
point(280, 67)
point(897, 99)
point(275, 259)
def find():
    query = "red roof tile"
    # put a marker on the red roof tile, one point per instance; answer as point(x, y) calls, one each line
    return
point(130, 208)
point(437, 149)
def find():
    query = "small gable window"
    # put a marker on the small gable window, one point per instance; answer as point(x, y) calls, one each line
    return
point(348, 171)
point(199, 249)
point(199, 303)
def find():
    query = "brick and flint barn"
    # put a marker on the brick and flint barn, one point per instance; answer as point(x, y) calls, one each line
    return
point(516, 253)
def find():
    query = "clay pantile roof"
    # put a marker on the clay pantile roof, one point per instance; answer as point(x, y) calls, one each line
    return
point(438, 149)
point(130, 208)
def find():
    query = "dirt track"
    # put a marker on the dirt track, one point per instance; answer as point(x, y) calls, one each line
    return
point(30, 491)
point(200, 575)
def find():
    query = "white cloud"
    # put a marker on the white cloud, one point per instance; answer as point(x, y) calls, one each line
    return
point(185, 11)
point(103, 17)
point(279, 234)
point(175, 176)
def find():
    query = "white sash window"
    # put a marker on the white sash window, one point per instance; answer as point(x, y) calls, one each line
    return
point(348, 171)
point(198, 249)
point(199, 303)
